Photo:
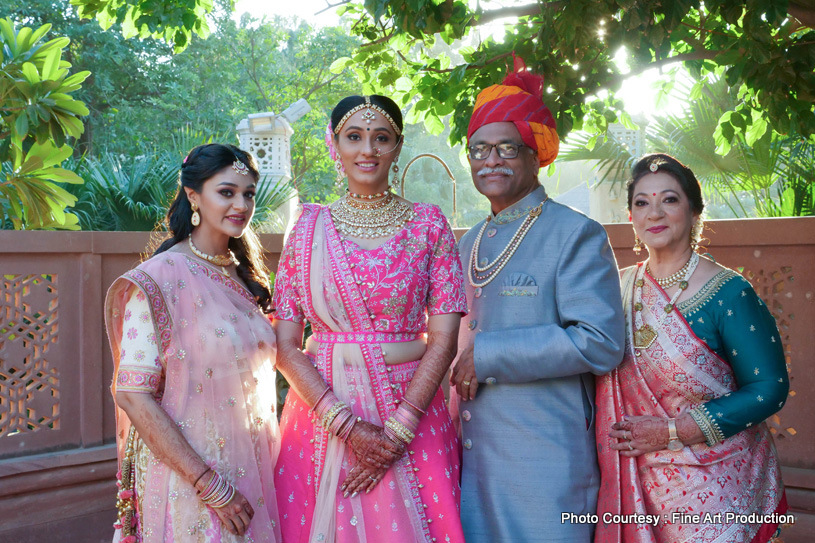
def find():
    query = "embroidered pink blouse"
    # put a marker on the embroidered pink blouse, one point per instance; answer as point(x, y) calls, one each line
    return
point(415, 273)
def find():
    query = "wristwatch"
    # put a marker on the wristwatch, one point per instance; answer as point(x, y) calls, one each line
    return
point(674, 443)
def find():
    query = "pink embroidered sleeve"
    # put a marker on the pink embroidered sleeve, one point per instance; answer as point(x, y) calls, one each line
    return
point(446, 290)
point(139, 367)
point(286, 297)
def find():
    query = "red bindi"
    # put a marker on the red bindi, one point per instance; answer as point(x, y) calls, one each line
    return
point(655, 194)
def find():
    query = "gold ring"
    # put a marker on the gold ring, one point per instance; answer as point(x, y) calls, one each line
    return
point(465, 383)
point(630, 448)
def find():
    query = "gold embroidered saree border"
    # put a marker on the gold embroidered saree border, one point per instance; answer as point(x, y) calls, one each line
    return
point(706, 293)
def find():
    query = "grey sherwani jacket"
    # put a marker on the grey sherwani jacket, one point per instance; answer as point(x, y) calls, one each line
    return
point(545, 325)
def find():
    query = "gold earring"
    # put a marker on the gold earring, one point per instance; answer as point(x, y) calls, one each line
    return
point(340, 172)
point(196, 218)
point(637, 245)
point(395, 182)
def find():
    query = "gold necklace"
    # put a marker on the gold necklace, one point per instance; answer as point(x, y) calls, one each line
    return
point(379, 219)
point(645, 334)
point(218, 260)
point(481, 276)
point(671, 280)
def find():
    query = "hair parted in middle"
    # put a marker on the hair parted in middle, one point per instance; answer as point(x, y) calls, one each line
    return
point(661, 162)
point(380, 102)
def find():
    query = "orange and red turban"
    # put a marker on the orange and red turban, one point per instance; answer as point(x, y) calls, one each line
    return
point(518, 99)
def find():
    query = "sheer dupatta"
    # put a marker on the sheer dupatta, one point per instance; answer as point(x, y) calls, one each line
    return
point(359, 377)
point(217, 351)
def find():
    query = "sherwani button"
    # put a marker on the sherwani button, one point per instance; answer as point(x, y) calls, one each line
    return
point(478, 292)
point(473, 323)
point(490, 380)
point(468, 444)
point(484, 262)
point(466, 415)
point(491, 232)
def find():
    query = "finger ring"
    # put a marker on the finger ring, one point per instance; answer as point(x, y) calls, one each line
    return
point(465, 383)
point(630, 448)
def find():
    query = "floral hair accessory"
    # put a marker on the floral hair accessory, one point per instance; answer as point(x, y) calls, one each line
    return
point(653, 166)
point(329, 141)
point(240, 167)
point(185, 159)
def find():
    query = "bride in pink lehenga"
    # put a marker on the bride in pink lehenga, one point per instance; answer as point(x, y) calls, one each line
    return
point(368, 450)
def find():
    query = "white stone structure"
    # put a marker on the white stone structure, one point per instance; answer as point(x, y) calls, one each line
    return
point(268, 137)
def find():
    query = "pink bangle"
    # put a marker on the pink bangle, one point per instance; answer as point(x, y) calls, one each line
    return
point(414, 406)
point(406, 418)
point(314, 407)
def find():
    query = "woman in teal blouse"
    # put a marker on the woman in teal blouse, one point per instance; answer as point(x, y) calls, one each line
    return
point(683, 449)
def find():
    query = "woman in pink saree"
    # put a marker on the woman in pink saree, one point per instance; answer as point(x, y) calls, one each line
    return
point(194, 379)
point(368, 452)
point(685, 455)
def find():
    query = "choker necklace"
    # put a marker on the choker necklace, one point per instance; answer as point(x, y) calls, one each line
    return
point(371, 220)
point(644, 334)
point(481, 276)
point(218, 260)
point(356, 196)
point(671, 280)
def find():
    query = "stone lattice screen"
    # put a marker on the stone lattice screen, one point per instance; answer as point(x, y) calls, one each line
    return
point(29, 382)
point(56, 414)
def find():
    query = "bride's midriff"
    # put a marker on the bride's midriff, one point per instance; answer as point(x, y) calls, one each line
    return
point(395, 353)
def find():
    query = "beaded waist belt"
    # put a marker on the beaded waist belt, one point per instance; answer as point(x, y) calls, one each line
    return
point(365, 337)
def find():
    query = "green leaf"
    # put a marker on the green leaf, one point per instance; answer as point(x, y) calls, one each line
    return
point(757, 128)
point(340, 64)
point(31, 73)
point(433, 124)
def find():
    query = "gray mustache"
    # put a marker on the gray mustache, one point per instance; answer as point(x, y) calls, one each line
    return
point(501, 169)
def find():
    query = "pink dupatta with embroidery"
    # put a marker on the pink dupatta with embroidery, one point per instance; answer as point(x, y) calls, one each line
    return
point(358, 376)
point(674, 374)
point(217, 350)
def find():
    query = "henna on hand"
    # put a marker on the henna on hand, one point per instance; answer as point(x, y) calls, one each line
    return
point(442, 339)
point(236, 514)
point(295, 366)
point(640, 435)
point(372, 447)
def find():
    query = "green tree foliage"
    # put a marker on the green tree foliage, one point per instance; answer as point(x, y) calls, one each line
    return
point(141, 95)
point(37, 116)
point(773, 176)
point(763, 48)
point(173, 20)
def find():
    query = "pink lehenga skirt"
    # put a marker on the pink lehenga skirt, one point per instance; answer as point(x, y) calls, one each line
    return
point(434, 456)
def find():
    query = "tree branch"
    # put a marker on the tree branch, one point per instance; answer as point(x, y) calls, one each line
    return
point(328, 6)
point(694, 55)
point(804, 14)
point(513, 11)
point(469, 67)
point(318, 86)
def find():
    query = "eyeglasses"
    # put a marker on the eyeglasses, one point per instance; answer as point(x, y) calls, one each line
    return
point(505, 150)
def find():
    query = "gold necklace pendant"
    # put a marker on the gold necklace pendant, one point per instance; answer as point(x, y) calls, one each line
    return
point(379, 220)
point(644, 337)
point(218, 260)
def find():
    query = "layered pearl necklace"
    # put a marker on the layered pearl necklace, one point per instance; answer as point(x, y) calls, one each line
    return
point(644, 334)
point(370, 218)
point(480, 276)
point(218, 260)
point(671, 280)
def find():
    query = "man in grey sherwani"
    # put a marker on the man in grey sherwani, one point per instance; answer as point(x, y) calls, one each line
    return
point(545, 318)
